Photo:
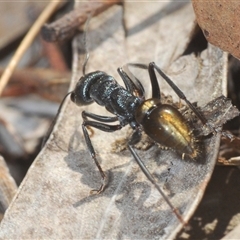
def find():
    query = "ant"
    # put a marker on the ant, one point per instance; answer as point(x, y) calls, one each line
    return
point(163, 123)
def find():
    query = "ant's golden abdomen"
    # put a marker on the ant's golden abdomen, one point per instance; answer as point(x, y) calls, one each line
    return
point(166, 126)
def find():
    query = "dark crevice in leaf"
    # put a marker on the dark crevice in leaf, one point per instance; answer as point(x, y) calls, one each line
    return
point(198, 42)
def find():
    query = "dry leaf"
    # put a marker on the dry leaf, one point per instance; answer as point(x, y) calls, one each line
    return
point(220, 23)
point(54, 201)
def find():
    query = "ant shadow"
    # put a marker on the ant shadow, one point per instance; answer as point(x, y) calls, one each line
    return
point(126, 194)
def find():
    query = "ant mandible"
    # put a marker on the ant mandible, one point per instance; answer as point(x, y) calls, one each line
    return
point(163, 123)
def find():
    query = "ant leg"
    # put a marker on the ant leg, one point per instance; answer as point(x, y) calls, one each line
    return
point(143, 167)
point(180, 94)
point(155, 86)
point(103, 127)
point(133, 87)
point(138, 65)
point(99, 118)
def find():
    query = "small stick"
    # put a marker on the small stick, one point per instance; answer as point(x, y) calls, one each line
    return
point(47, 12)
point(65, 27)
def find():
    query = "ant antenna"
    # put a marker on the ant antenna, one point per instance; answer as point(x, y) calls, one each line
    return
point(84, 73)
point(85, 43)
point(45, 138)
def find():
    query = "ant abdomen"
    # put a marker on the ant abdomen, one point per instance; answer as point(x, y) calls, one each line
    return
point(165, 125)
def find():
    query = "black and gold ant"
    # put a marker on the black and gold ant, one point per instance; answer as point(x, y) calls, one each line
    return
point(163, 123)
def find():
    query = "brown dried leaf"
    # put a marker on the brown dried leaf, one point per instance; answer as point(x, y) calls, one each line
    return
point(220, 23)
point(54, 200)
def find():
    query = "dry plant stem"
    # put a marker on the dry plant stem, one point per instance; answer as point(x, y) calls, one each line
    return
point(66, 27)
point(55, 57)
point(48, 83)
point(27, 41)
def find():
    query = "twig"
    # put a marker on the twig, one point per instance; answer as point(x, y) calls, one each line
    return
point(66, 27)
point(27, 41)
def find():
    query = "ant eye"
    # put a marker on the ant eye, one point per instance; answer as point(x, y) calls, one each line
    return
point(73, 97)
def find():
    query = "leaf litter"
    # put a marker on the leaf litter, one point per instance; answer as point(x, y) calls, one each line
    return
point(55, 192)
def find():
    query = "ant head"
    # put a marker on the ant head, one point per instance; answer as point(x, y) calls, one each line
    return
point(80, 95)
